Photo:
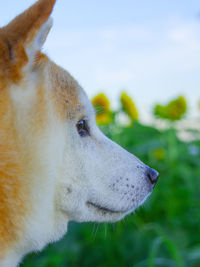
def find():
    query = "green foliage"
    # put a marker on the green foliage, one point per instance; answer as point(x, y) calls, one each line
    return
point(164, 232)
point(173, 111)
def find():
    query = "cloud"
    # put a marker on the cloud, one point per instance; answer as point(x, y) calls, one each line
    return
point(186, 34)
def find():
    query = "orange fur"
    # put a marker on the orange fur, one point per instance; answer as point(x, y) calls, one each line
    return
point(12, 183)
point(16, 157)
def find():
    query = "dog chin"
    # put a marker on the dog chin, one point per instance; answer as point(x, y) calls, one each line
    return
point(97, 213)
point(104, 214)
point(93, 211)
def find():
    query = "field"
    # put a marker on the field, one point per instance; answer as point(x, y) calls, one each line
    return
point(165, 231)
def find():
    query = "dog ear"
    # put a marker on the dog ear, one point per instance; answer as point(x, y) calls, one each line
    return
point(35, 43)
point(23, 37)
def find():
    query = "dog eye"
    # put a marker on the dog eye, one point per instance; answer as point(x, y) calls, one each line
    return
point(82, 128)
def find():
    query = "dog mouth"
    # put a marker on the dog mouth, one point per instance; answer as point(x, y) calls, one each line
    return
point(102, 209)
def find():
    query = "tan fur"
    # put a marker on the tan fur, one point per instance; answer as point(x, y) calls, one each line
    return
point(17, 162)
point(65, 93)
point(12, 183)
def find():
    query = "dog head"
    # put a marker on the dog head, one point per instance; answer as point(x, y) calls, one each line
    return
point(64, 168)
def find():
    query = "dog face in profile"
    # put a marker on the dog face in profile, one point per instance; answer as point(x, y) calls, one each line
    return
point(55, 164)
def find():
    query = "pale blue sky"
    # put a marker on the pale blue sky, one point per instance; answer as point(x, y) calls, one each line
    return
point(149, 47)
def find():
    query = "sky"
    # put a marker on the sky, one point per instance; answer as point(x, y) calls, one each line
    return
point(150, 48)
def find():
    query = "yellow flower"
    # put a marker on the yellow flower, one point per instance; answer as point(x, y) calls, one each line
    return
point(104, 118)
point(173, 111)
point(102, 108)
point(129, 107)
point(159, 153)
point(101, 103)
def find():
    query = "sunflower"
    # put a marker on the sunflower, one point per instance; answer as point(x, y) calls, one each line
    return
point(102, 107)
point(128, 106)
point(173, 111)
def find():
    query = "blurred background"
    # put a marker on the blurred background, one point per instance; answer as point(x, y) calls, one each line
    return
point(139, 62)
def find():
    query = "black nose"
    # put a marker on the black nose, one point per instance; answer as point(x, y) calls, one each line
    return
point(152, 175)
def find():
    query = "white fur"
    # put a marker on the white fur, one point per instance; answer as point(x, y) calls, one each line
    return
point(40, 38)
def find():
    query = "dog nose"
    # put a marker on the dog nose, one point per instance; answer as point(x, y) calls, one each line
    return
point(152, 175)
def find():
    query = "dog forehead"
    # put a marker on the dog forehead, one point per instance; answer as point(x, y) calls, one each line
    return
point(67, 93)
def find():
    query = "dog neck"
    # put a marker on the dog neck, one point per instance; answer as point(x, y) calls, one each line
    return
point(11, 260)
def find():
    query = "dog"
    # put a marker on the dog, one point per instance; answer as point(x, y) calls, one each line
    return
point(55, 164)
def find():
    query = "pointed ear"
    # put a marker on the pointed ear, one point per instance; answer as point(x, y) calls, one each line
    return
point(26, 34)
point(35, 43)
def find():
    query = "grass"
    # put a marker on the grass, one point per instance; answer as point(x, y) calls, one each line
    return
point(164, 232)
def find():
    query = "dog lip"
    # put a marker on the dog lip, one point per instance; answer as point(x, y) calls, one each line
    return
point(104, 209)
